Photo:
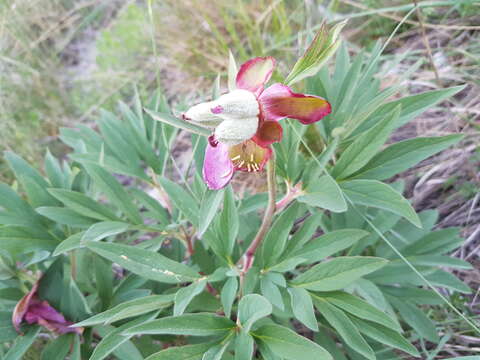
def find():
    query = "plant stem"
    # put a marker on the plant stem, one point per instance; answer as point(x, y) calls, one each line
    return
point(249, 256)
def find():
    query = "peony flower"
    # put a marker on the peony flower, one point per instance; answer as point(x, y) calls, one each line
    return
point(245, 121)
point(35, 311)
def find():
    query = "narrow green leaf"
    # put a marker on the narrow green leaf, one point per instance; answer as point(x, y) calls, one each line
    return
point(208, 208)
point(244, 346)
point(151, 265)
point(57, 349)
point(228, 295)
point(337, 273)
point(186, 324)
point(104, 229)
point(83, 205)
point(287, 344)
point(178, 123)
point(365, 146)
point(379, 195)
point(128, 309)
point(385, 336)
point(403, 155)
point(228, 223)
point(302, 307)
point(329, 244)
point(65, 216)
point(251, 308)
point(345, 328)
point(361, 309)
point(186, 294)
point(324, 193)
point(22, 344)
point(323, 46)
point(232, 72)
point(114, 341)
point(182, 200)
point(276, 238)
point(188, 352)
point(417, 319)
point(70, 243)
point(114, 191)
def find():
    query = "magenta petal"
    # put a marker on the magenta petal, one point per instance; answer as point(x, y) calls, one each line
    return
point(255, 73)
point(45, 311)
point(278, 102)
point(217, 166)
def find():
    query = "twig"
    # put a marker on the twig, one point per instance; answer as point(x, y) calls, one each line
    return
point(249, 255)
point(425, 41)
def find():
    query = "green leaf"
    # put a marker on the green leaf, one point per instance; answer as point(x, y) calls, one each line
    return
point(7, 331)
point(188, 352)
point(271, 291)
point(114, 191)
point(416, 318)
point(148, 264)
point(337, 273)
point(22, 344)
point(329, 244)
point(385, 336)
point(18, 240)
point(379, 195)
point(361, 309)
point(403, 155)
point(324, 193)
point(182, 200)
point(83, 205)
point(276, 238)
point(244, 346)
point(103, 280)
point(287, 344)
point(323, 46)
point(252, 308)
point(345, 328)
point(128, 309)
point(115, 341)
point(208, 208)
point(64, 216)
point(186, 324)
point(186, 294)
point(228, 223)
point(232, 72)
point(178, 123)
point(104, 229)
point(216, 352)
point(228, 295)
point(302, 307)
point(70, 243)
point(33, 183)
point(365, 147)
point(412, 106)
point(54, 171)
point(57, 349)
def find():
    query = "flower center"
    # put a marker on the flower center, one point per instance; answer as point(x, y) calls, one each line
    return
point(248, 156)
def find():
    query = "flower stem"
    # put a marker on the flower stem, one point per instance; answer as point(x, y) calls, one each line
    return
point(249, 255)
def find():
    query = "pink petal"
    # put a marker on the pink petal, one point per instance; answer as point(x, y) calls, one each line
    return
point(278, 102)
point(217, 166)
point(268, 133)
point(255, 73)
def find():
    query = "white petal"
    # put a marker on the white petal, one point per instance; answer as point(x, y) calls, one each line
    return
point(237, 104)
point(202, 114)
point(234, 131)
